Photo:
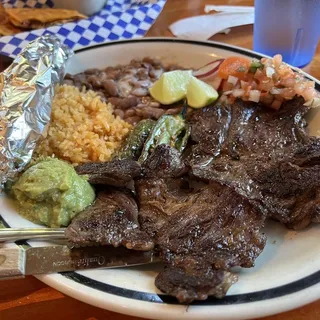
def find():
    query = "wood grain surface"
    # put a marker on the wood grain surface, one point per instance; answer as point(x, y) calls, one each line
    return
point(28, 298)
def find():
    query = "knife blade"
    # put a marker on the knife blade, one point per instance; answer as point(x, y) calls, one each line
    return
point(24, 260)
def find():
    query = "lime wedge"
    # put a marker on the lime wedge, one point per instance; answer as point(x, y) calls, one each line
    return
point(171, 86)
point(200, 94)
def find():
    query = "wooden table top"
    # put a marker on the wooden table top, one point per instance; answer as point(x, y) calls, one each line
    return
point(29, 298)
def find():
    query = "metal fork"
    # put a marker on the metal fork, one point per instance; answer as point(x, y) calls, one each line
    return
point(12, 234)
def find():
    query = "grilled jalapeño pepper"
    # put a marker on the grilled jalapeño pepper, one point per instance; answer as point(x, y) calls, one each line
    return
point(169, 129)
point(133, 145)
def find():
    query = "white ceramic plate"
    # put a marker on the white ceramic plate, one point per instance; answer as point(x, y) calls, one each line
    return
point(286, 275)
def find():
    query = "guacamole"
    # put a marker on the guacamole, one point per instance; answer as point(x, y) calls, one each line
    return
point(52, 193)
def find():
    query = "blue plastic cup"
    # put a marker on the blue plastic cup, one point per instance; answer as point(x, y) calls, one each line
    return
point(288, 27)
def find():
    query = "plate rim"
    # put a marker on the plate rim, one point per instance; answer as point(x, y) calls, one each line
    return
point(313, 290)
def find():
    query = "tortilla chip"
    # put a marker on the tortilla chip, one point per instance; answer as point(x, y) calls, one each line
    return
point(33, 18)
point(6, 28)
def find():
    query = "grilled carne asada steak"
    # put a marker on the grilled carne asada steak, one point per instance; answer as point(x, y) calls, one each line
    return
point(165, 162)
point(197, 285)
point(111, 220)
point(204, 211)
point(265, 156)
point(114, 173)
point(200, 234)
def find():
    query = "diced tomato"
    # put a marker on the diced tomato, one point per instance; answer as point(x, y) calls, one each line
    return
point(244, 84)
point(254, 85)
point(308, 94)
point(277, 60)
point(226, 86)
point(259, 75)
point(249, 77)
point(266, 98)
point(234, 66)
point(288, 82)
point(276, 104)
point(288, 93)
point(247, 90)
point(266, 86)
point(279, 97)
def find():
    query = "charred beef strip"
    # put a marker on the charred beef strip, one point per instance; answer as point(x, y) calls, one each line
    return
point(197, 285)
point(164, 161)
point(116, 173)
point(213, 224)
point(265, 156)
point(200, 233)
point(243, 127)
point(111, 220)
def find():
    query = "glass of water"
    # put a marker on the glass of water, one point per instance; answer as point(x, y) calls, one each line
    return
point(288, 27)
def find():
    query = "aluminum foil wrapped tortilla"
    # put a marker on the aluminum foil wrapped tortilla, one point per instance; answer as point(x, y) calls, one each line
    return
point(26, 93)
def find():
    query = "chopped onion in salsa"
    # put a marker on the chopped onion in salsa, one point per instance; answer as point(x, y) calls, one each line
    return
point(269, 81)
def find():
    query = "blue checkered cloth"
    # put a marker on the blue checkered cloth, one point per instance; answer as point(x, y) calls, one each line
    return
point(118, 20)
